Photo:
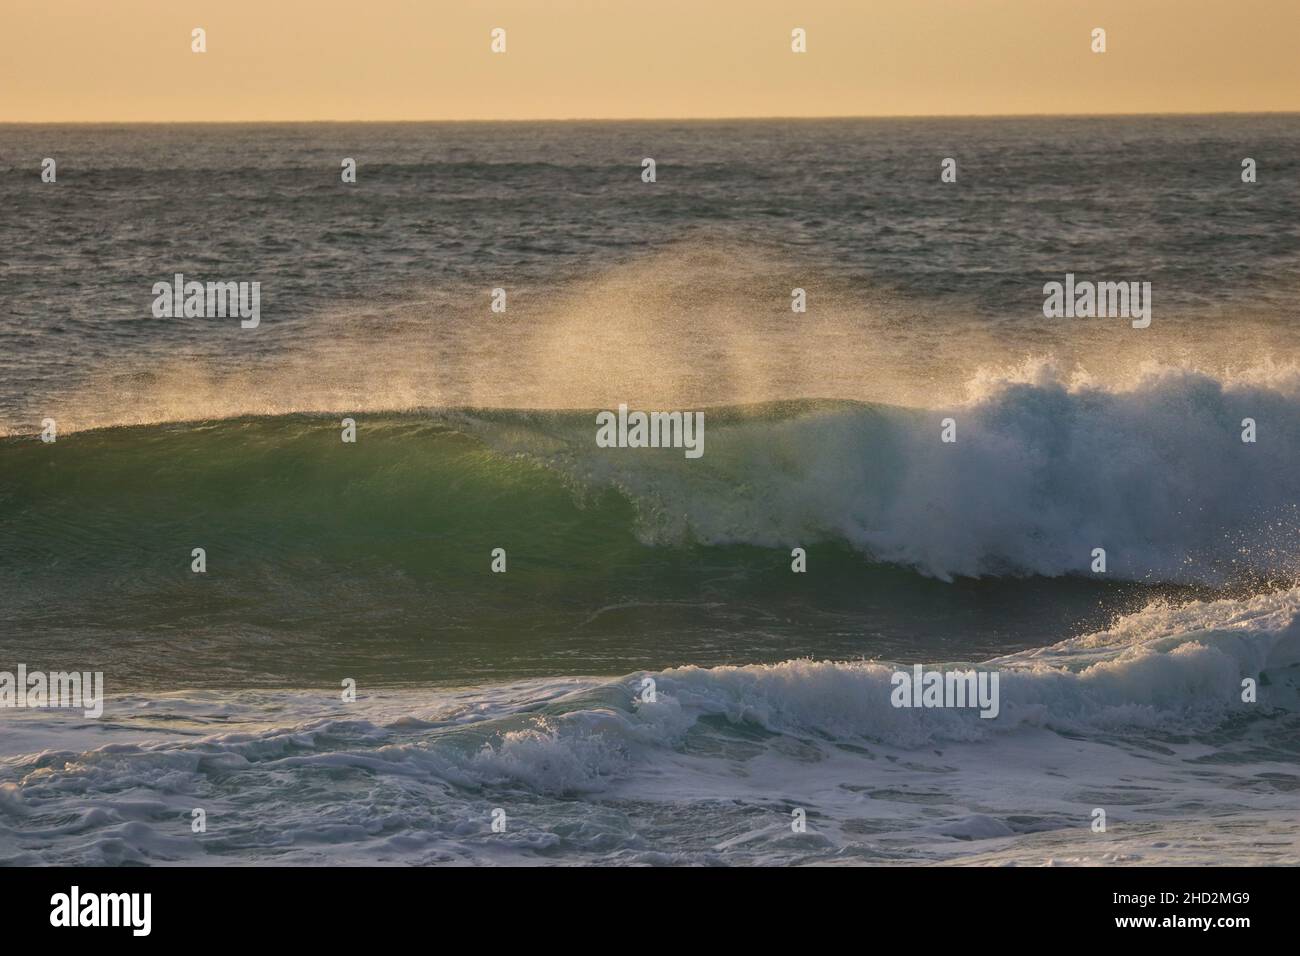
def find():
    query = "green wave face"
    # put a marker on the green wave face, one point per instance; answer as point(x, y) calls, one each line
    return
point(374, 560)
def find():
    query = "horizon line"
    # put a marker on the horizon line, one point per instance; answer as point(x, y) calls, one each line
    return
point(646, 119)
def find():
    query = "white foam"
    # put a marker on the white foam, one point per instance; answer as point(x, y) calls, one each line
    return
point(1144, 720)
point(1043, 472)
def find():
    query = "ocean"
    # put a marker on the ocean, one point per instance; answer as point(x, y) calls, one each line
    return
point(648, 680)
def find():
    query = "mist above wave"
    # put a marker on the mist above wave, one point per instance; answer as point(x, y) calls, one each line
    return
point(704, 321)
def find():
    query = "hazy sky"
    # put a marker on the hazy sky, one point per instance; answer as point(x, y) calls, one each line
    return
point(68, 60)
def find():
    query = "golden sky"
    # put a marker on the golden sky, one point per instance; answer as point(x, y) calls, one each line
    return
point(130, 60)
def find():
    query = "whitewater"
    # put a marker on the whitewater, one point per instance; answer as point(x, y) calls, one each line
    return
point(1143, 720)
